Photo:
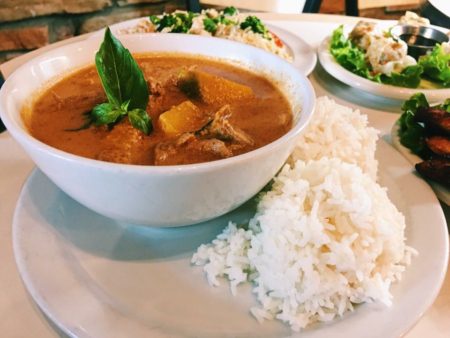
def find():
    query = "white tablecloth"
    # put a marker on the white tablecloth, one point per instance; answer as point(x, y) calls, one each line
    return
point(20, 317)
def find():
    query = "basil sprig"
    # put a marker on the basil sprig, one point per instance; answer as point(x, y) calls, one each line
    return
point(124, 85)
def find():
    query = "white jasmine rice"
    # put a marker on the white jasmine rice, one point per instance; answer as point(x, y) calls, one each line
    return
point(338, 131)
point(325, 237)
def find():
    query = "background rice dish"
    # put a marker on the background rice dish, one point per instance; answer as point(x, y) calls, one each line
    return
point(227, 24)
point(325, 237)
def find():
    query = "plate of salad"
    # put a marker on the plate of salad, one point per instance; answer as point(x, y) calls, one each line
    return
point(422, 135)
point(230, 24)
point(368, 57)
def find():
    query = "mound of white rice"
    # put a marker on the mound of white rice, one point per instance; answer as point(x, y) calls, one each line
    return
point(325, 237)
point(338, 131)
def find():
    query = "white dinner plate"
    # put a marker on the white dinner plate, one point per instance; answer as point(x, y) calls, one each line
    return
point(441, 192)
point(401, 93)
point(304, 56)
point(95, 277)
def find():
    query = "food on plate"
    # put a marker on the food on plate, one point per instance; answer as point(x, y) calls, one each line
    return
point(325, 235)
point(227, 24)
point(413, 19)
point(384, 60)
point(338, 131)
point(425, 130)
point(162, 109)
point(436, 64)
point(379, 56)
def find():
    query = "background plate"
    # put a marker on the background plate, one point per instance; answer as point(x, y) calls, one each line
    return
point(304, 56)
point(401, 93)
point(95, 277)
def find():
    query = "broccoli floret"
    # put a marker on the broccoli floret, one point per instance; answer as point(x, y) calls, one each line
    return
point(256, 26)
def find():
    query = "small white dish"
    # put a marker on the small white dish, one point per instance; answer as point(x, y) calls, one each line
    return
point(401, 93)
point(96, 277)
point(304, 56)
point(441, 192)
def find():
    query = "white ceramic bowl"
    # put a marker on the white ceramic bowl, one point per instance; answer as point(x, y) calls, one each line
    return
point(157, 195)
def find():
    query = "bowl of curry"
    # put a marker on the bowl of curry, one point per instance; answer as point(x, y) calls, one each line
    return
point(206, 125)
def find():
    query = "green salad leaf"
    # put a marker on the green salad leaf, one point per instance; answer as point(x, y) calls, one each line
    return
point(436, 65)
point(124, 85)
point(409, 77)
point(352, 58)
point(411, 132)
point(349, 56)
point(446, 105)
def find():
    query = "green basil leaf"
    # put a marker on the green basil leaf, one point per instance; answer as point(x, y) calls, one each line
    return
point(121, 77)
point(106, 113)
point(139, 119)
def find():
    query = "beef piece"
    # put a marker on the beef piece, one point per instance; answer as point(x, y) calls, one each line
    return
point(123, 144)
point(188, 148)
point(437, 119)
point(221, 128)
point(440, 145)
point(436, 169)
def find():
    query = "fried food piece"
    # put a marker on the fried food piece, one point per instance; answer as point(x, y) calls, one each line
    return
point(437, 119)
point(440, 145)
point(437, 170)
point(360, 35)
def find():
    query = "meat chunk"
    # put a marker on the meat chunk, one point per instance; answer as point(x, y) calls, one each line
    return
point(124, 144)
point(437, 170)
point(217, 140)
point(189, 148)
point(440, 145)
point(437, 119)
point(221, 128)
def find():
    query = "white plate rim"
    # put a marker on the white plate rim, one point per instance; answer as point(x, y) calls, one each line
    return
point(401, 93)
point(304, 56)
point(441, 192)
point(22, 255)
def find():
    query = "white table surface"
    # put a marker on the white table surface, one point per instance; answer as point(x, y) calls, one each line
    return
point(20, 317)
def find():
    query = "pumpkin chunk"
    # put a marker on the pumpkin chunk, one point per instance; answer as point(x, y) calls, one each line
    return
point(213, 89)
point(183, 118)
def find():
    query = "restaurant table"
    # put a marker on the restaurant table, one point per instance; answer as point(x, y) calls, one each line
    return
point(20, 316)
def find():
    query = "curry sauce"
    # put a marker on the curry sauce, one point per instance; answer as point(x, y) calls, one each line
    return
point(236, 111)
